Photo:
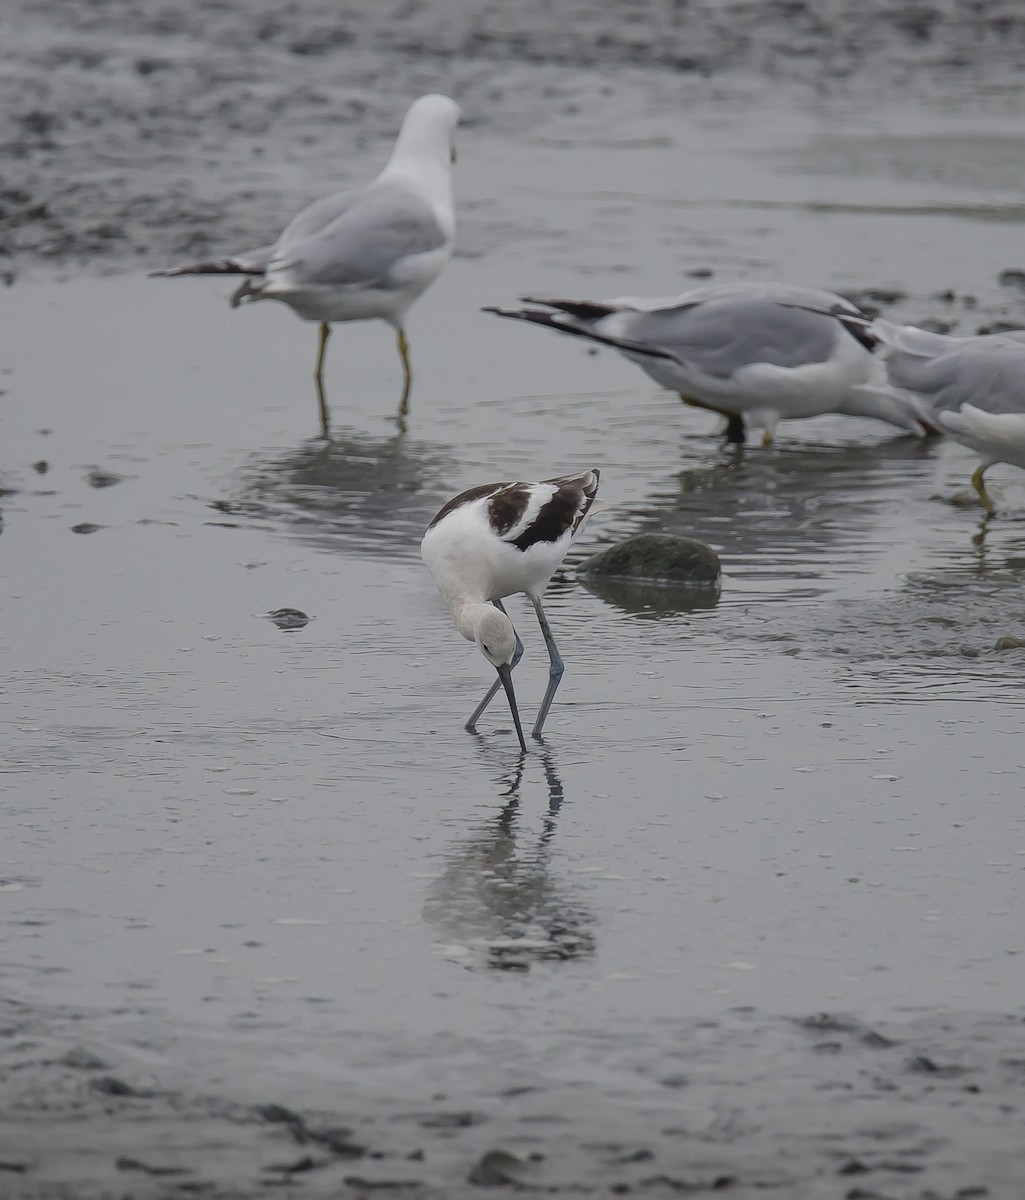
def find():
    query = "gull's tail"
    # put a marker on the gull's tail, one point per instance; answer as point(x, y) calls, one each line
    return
point(577, 317)
point(253, 262)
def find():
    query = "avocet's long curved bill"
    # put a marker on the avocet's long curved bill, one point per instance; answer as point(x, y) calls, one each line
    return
point(505, 674)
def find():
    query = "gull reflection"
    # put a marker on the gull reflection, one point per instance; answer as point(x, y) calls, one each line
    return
point(373, 494)
point(497, 902)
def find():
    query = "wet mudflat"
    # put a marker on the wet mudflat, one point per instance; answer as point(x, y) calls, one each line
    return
point(749, 920)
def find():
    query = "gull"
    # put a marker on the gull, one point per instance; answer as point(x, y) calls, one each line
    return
point(366, 252)
point(971, 387)
point(765, 351)
point(493, 541)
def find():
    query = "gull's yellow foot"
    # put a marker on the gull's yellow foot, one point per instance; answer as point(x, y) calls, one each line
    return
point(767, 438)
point(980, 489)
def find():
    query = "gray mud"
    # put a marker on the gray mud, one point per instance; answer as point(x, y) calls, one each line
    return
point(271, 922)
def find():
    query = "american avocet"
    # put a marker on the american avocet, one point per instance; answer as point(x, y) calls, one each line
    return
point(494, 541)
point(367, 252)
point(764, 351)
point(971, 387)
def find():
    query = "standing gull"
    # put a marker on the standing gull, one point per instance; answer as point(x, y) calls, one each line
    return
point(764, 351)
point(971, 387)
point(493, 541)
point(367, 252)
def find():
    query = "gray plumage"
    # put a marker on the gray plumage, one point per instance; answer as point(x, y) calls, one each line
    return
point(987, 372)
point(355, 238)
point(762, 351)
point(719, 336)
point(365, 253)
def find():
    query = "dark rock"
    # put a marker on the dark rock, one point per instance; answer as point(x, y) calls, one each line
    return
point(277, 1114)
point(661, 558)
point(1009, 642)
point(655, 573)
point(337, 1139)
point(1012, 277)
point(299, 1167)
point(125, 1163)
point(103, 479)
point(85, 527)
point(448, 1120)
point(496, 1168)
point(928, 1066)
point(1000, 327)
point(935, 325)
point(41, 467)
point(871, 297)
point(110, 1085)
point(718, 1184)
point(288, 618)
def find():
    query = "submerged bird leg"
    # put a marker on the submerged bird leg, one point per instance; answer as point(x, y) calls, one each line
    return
point(318, 375)
point(471, 724)
point(407, 374)
point(735, 434)
point(980, 489)
point(555, 670)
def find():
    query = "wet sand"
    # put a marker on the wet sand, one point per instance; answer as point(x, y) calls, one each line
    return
point(270, 920)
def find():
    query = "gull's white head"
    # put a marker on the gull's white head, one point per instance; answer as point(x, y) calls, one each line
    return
point(428, 128)
point(495, 637)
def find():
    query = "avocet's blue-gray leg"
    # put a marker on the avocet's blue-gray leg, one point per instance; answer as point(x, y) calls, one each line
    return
point(471, 724)
point(555, 670)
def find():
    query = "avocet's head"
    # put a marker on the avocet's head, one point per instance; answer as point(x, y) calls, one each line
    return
point(429, 126)
point(495, 637)
point(496, 640)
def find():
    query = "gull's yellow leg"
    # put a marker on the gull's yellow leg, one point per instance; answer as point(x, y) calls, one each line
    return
point(980, 489)
point(767, 437)
point(325, 416)
point(407, 373)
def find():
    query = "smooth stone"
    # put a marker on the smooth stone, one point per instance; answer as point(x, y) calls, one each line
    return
point(657, 558)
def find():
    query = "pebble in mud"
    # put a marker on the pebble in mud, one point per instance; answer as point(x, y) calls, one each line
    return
point(288, 619)
point(496, 1168)
point(1000, 327)
point(1009, 642)
point(85, 527)
point(103, 479)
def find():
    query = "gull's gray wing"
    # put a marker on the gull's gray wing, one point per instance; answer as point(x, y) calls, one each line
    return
point(356, 237)
point(986, 372)
point(787, 294)
point(720, 335)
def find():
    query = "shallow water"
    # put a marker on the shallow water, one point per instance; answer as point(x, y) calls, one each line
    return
point(251, 864)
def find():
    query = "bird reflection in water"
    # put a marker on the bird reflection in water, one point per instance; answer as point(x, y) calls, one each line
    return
point(374, 494)
point(496, 903)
